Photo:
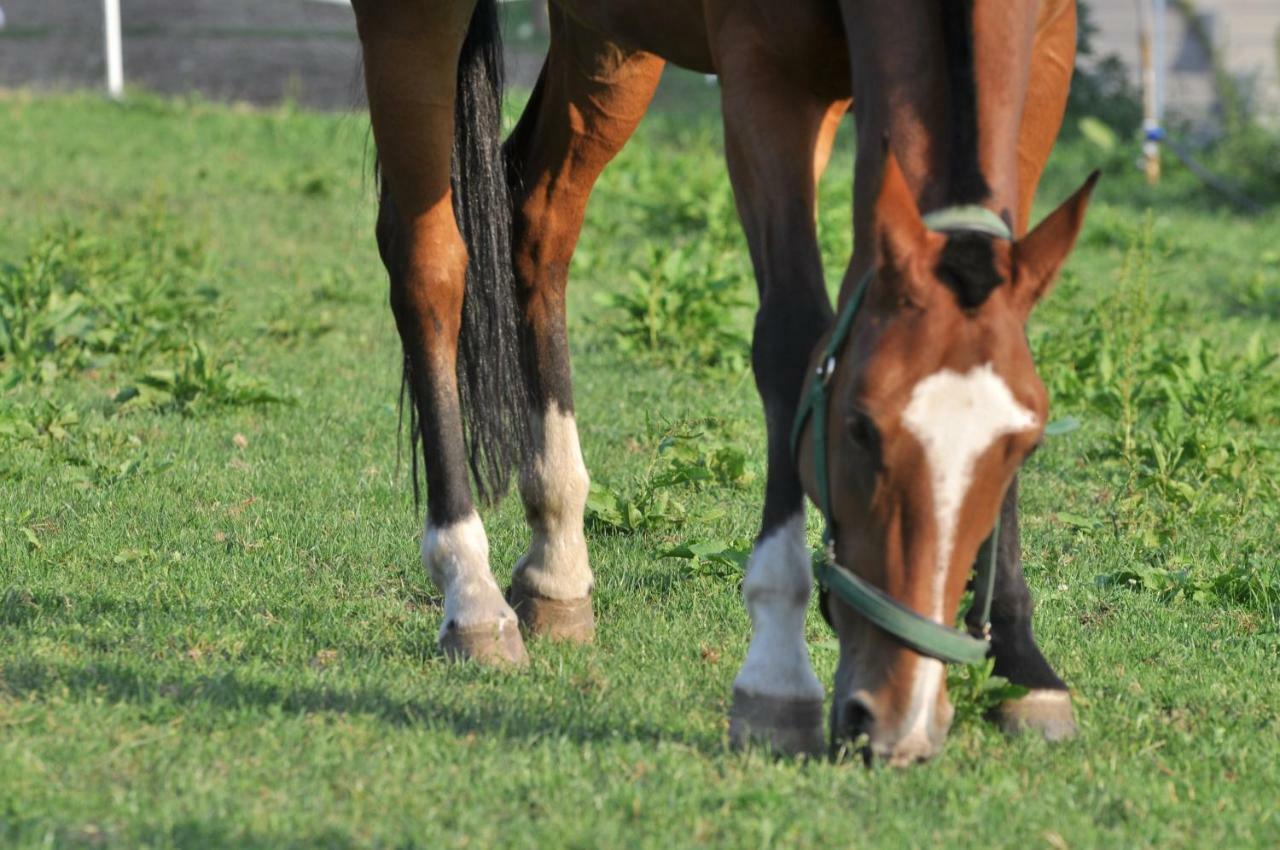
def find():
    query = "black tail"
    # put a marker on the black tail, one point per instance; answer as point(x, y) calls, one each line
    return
point(491, 386)
point(491, 382)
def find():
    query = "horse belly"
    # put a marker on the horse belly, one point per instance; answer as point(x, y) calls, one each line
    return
point(673, 29)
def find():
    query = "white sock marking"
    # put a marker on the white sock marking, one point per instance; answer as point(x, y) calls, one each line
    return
point(776, 589)
point(553, 485)
point(457, 559)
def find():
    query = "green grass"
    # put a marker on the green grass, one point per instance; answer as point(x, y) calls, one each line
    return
point(214, 630)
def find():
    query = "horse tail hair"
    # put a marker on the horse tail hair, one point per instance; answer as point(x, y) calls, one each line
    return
point(493, 394)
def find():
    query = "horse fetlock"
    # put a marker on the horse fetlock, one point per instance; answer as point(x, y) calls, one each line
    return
point(776, 591)
point(456, 555)
point(778, 571)
point(553, 486)
point(551, 587)
point(478, 622)
point(554, 481)
point(556, 566)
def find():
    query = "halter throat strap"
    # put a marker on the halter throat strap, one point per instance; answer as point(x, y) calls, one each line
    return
point(921, 634)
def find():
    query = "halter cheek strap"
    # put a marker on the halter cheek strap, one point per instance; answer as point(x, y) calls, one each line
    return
point(925, 636)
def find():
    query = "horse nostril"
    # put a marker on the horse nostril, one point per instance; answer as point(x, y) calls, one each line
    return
point(858, 719)
point(851, 734)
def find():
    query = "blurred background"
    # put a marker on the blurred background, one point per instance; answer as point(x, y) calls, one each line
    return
point(1218, 55)
point(1184, 76)
point(247, 50)
point(258, 51)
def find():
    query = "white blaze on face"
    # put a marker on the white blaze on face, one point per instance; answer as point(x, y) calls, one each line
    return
point(955, 417)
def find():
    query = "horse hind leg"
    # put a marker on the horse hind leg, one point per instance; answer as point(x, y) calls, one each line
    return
point(588, 100)
point(411, 55)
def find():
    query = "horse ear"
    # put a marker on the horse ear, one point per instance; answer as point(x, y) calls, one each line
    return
point(900, 231)
point(1039, 255)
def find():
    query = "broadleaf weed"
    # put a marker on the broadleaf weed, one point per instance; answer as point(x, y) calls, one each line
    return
point(1178, 415)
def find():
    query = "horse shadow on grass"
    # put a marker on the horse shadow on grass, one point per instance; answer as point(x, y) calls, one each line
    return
point(235, 691)
point(184, 833)
point(573, 703)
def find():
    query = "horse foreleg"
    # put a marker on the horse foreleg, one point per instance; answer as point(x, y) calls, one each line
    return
point(776, 139)
point(1053, 58)
point(1047, 706)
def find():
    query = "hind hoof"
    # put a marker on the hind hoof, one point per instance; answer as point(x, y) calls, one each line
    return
point(568, 620)
point(789, 727)
point(493, 644)
point(1042, 711)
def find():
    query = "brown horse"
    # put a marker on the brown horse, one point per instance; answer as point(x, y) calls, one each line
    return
point(934, 400)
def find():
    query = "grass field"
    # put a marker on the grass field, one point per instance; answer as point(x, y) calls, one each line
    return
point(214, 629)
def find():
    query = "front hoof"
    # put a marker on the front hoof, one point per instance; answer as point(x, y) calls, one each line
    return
point(1043, 711)
point(493, 644)
point(556, 619)
point(789, 727)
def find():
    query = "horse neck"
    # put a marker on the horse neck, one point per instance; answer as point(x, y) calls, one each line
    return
point(906, 91)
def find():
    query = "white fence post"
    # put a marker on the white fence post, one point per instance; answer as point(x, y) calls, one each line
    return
point(115, 48)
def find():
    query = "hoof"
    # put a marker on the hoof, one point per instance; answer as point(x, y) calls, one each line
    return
point(791, 727)
point(568, 620)
point(495, 644)
point(1042, 711)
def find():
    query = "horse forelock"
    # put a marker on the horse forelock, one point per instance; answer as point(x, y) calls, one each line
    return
point(968, 267)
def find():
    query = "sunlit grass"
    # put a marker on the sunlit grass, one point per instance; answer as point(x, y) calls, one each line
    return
point(214, 630)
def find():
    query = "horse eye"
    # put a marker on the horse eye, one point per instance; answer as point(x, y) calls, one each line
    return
point(863, 431)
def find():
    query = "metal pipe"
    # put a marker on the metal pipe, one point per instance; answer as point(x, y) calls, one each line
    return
point(1150, 121)
point(115, 48)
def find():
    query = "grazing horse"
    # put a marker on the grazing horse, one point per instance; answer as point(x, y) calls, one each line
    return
point(927, 398)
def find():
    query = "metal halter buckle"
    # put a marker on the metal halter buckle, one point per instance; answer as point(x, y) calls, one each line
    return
point(826, 369)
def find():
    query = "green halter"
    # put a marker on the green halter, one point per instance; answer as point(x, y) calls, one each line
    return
point(920, 633)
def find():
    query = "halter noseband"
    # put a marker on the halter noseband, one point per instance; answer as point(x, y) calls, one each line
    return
point(919, 633)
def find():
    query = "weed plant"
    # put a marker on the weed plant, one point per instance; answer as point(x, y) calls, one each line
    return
point(215, 629)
